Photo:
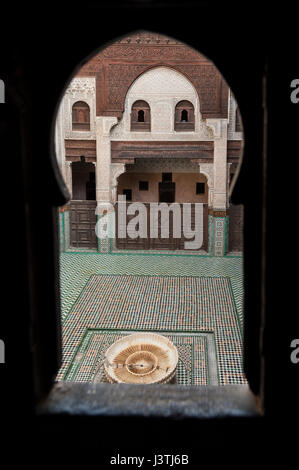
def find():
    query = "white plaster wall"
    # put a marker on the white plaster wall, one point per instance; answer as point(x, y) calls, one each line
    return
point(162, 88)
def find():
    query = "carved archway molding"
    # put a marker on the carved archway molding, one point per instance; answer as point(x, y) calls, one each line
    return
point(207, 170)
point(116, 170)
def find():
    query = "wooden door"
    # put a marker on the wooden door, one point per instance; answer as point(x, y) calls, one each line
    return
point(82, 224)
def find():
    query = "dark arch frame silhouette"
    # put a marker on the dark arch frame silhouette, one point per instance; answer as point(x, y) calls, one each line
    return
point(43, 360)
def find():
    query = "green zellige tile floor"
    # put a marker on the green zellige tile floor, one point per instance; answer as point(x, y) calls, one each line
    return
point(195, 301)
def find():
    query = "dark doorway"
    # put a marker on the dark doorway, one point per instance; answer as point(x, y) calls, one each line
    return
point(128, 194)
point(82, 206)
point(166, 177)
point(91, 187)
point(166, 188)
point(84, 185)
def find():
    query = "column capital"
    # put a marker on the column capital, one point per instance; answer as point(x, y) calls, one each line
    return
point(218, 126)
point(116, 170)
point(104, 125)
point(103, 167)
point(207, 170)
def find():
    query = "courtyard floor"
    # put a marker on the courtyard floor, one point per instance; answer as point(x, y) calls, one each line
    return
point(196, 301)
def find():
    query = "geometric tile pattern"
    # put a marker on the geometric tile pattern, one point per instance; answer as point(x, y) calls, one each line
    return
point(186, 304)
point(197, 363)
point(76, 269)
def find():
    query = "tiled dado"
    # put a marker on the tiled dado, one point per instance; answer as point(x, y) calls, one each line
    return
point(218, 233)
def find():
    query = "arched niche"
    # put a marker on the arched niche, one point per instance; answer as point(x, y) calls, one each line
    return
point(140, 116)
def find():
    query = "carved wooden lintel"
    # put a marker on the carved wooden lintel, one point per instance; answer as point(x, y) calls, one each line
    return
point(74, 149)
point(199, 151)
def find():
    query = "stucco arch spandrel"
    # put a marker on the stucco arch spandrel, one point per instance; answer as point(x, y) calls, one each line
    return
point(205, 79)
point(210, 87)
point(207, 170)
point(162, 79)
point(162, 88)
point(116, 170)
point(122, 77)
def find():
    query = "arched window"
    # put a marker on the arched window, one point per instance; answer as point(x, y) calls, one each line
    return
point(80, 116)
point(140, 116)
point(184, 116)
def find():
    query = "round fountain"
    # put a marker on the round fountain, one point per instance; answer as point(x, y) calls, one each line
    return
point(141, 358)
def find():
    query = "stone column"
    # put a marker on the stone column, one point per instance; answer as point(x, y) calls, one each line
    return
point(103, 179)
point(64, 167)
point(68, 177)
point(207, 169)
point(218, 213)
point(59, 140)
point(227, 211)
point(116, 170)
